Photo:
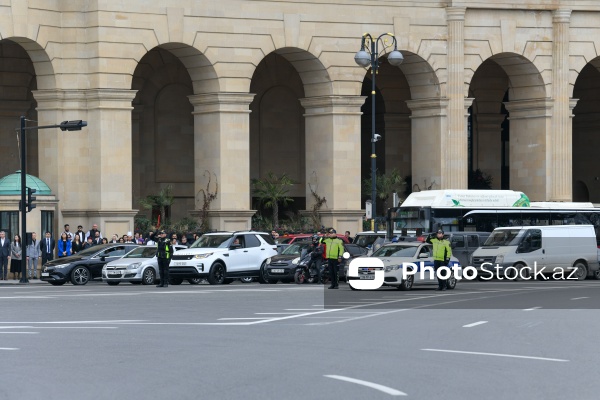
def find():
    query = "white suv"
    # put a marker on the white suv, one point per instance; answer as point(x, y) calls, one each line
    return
point(222, 256)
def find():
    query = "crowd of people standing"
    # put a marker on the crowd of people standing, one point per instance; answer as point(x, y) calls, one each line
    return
point(69, 243)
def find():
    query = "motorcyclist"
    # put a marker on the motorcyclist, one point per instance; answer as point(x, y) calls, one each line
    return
point(316, 255)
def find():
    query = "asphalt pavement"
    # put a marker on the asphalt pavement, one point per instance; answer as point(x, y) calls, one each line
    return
point(483, 340)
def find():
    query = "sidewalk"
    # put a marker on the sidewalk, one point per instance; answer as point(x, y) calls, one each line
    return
point(17, 282)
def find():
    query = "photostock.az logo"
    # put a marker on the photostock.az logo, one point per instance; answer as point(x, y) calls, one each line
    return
point(368, 271)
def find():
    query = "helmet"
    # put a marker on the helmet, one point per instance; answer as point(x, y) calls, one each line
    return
point(315, 238)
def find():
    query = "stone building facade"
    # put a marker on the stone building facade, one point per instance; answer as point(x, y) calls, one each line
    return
point(176, 90)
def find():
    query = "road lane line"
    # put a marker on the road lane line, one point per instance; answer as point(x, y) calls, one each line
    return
point(16, 327)
point(580, 298)
point(475, 324)
point(376, 386)
point(116, 321)
point(497, 355)
point(232, 319)
point(531, 309)
point(8, 348)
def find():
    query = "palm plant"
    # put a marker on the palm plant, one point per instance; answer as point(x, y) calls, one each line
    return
point(162, 200)
point(271, 191)
point(386, 184)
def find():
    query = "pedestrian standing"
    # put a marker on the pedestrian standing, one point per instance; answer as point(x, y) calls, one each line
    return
point(64, 246)
point(33, 254)
point(441, 255)
point(334, 249)
point(4, 255)
point(164, 252)
point(47, 246)
point(16, 252)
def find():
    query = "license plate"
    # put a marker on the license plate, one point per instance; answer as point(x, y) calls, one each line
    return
point(277, 271)
point(45, 274)
point(367, 277)
point(114, 273)
point(180, 263)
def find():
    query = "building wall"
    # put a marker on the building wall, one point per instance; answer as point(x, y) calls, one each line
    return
point(89, 56)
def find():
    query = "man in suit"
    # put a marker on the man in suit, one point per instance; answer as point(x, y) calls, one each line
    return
point(80, 233)
point(4, 255)
point(92, 232)
point(33, 254)
point(47, 246)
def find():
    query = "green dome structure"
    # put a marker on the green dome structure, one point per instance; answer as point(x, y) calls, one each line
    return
point(10, 185)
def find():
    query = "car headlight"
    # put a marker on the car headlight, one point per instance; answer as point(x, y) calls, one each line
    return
point(134, 265)
point(296, 260)
point(268, 260)
point(201, 256)
point(61, 266)
point(392, 268)
point(500, 259)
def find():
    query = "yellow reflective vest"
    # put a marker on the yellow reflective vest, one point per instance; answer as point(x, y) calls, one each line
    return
point(441, 249)
point(334, 248)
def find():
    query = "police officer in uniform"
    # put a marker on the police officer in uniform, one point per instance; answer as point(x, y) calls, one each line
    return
point(164, 252)
point(441, 255)
point(334, 249)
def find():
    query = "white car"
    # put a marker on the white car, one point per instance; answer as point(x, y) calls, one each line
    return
point(140, 265)
point(221, 257)
point(394, 255)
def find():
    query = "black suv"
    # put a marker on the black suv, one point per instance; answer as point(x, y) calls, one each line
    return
point(85, 265)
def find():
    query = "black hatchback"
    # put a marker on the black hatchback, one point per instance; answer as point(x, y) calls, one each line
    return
point(85, 265)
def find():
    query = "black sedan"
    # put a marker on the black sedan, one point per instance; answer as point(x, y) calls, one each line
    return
point(85, 265)
point(282, 267)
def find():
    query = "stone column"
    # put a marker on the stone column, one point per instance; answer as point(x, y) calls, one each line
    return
point(530, 149)
point(397, 143)
point(560, 169)
point(222, 148)
point(333, 165)
point(455, 157)
point(428, 132)
point(89, 170)
point(487, 145)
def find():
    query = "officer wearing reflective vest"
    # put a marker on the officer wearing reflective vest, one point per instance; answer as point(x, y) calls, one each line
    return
point(441, 255)
point(164, 252)
point(334, 249)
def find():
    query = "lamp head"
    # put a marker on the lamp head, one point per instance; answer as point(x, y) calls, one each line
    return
point(362, 58)
point(395, 58)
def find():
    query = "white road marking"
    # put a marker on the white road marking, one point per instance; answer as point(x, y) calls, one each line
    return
point(25, 297)
point(531, 309)
point(475, 324)
point(580, 298)
point(232, 319)
point(355, 318)
point(117, 321)
point(376, 386)
point(76, 327)
point(299, 309)
point(16, 327)
point(8, 348)
point(276, 313)
point(497, 355)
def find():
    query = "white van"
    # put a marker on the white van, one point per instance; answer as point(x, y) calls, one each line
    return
point(520, 251)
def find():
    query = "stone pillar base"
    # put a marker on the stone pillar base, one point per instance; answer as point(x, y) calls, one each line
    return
point(118, 222)
point(341, 220)
point(228, 220)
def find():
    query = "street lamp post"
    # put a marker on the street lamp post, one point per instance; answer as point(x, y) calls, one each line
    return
point(368, 55)
point(26, 203)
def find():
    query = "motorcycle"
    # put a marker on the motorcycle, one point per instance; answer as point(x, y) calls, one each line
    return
point(306, 270)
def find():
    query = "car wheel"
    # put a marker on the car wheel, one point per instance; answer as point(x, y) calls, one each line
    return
point(247, 279)
point(80, 275)
point(521, 273)
point(148, 276)
point(217, 274)
point(263, 276)
point(113, 283)
point(581, 272)
point(407, 283)
point(299, 277)
point(597, 274)
point(175, 281)
point(451, 283)
point(57, 283)
point(195, 281)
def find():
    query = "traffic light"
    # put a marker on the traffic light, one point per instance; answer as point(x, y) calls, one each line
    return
point(30, 199)
point(72, 125)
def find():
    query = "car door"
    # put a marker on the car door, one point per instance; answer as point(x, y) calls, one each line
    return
point(255, 252)
point(459, 248)
point(236, 257)
point(104, 257)
point(425, 256)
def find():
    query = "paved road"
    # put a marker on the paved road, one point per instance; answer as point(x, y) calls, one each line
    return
point(484, 340)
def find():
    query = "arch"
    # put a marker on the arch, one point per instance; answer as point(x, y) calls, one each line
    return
point(313, 74)
point(422, 80)
point(524, 78)
point(44, 71)
point(200, 69)
point(580, 191)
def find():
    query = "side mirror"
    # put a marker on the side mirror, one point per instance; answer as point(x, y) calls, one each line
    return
point(102, 258)
point(424, 255)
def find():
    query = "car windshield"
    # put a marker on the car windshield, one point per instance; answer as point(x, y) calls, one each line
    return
point(142, 252)
point(212, 241)
point(396, 251)
point(505, 237)
point(296, 248)
point(89, 251)
point(367, 240)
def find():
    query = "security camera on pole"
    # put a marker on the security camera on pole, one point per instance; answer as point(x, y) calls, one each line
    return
point(368, 55)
